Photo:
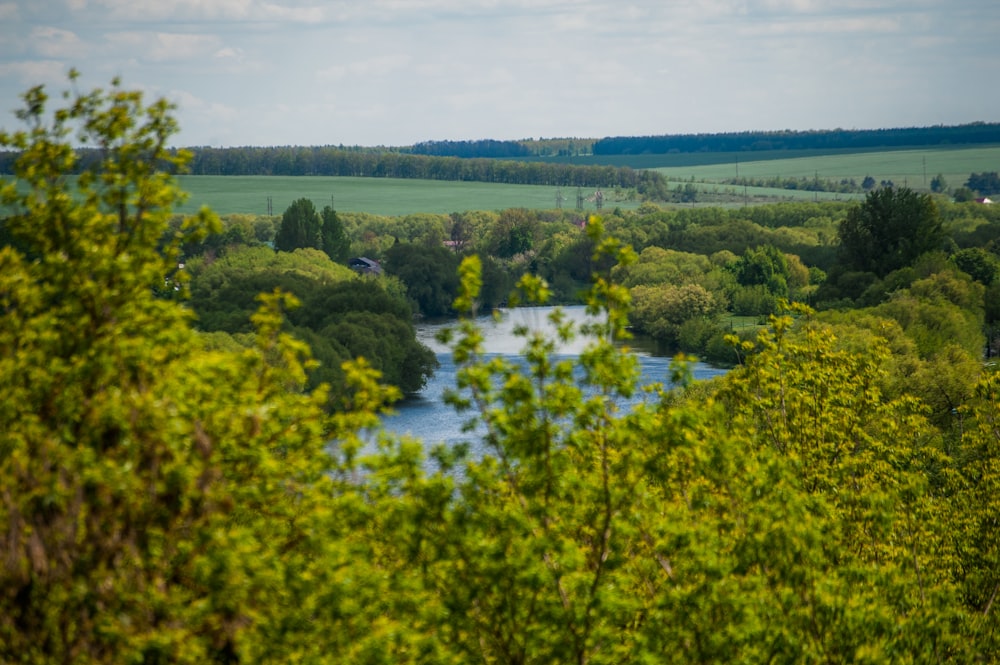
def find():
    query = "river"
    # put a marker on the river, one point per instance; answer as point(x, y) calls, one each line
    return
point(427, 417)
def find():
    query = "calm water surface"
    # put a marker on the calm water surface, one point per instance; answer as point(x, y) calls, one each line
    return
point(426, 416)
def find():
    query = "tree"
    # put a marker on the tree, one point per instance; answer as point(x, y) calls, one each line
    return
point(515, 232)
point(335, 242)
point(964, 195)
point(765, 266)
point(980, 502)
point(224, 294)
point(939, 184)
point(429, 274)
point(980, 264)
point(984, 183)
point(889, 230)
point(300, 227)
point(159, 503)
point(660, 311)
point(461, 231)
point(680, 530)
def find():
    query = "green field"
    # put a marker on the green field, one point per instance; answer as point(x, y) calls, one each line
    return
point(852, 160)
point(379, 196)
point(912, 167)
point(391, 196)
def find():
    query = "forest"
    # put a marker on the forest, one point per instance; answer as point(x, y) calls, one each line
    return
point(331, 161)
point(178, 484)
point(973, 133)
point(697, 271)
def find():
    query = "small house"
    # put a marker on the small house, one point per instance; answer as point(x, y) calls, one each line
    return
point(364, 266)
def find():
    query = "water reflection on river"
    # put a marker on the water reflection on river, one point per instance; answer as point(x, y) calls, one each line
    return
point(426, 416)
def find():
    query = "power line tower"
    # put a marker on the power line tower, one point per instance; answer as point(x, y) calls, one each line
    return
point(559, 198)
point(599, 199)
point(270, 209)
point(579, 199)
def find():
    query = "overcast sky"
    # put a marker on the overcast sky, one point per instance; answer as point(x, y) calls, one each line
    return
point(396, 72)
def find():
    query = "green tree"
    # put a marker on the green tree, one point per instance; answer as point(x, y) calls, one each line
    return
point(516, 231)
point(978, 263)
point(300, 227)
point(964, 195)
point(660, 311)
point(890, 525)
point(939, 184)
point(335, 242)
point(985, 183)
point(461, 231)
point(786, 513)
point(224, 295)
point(160, 503)
point(429, 273)
point(889, 230)
point(980, 508)
point(765, 266)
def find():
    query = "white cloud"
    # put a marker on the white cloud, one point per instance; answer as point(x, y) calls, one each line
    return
point(56, 43)
point(164, 46)
point(190, 102)
point(35, 72)
point(372, 67)
point(817, 6)
point(398, 70)
point(150, 11)
point(229, 53)
point(824, 26)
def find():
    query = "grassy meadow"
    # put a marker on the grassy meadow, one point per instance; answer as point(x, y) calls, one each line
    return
point(913, 167)
point(379, 196)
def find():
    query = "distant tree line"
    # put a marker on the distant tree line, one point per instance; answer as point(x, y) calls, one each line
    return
point(978, 132)
point(330, 161)
point(802, 183)
point(493, 149)
point(483, 148)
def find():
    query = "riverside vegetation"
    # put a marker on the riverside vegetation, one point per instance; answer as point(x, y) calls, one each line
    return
point(168, 494)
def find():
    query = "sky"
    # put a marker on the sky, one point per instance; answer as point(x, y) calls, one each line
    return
point(398, 72)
